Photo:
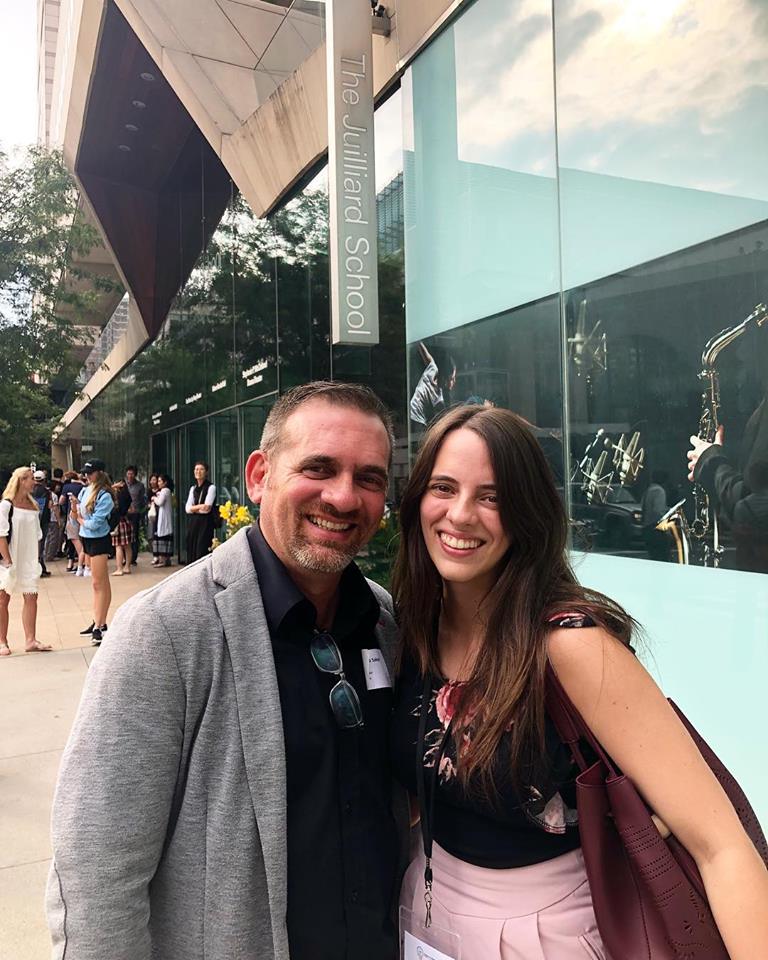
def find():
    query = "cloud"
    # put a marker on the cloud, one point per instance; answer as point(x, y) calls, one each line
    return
point(663, 85)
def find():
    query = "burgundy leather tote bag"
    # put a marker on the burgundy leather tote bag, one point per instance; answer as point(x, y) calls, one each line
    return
point(647, 892)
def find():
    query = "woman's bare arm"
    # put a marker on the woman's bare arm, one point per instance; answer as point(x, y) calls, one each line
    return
point(632, 719)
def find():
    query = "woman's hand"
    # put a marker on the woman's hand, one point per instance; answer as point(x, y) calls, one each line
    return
point(6, 563)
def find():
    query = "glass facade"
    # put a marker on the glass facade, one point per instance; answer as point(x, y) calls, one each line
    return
point(584, 213)
point(572, 205)
point(251, 321)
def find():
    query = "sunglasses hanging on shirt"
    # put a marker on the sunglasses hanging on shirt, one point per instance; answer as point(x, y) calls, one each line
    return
point(343, 698)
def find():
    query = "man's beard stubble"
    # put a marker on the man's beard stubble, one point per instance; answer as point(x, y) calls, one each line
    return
point(328, 557)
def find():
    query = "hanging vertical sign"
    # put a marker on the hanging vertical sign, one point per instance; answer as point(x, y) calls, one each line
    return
point(351, 181)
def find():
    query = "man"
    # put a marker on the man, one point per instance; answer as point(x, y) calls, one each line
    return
point(737, 492)
point(225, 792)
point(42, 496)
point(138, 503)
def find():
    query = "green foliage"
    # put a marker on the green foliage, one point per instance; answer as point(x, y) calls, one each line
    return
point(40, 230)
point(377, 558)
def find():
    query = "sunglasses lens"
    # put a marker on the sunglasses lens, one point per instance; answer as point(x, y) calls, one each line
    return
point(325, 653)
point(345, 705)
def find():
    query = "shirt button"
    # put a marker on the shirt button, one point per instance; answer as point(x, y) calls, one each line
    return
point(354, 896)
point(347, 807)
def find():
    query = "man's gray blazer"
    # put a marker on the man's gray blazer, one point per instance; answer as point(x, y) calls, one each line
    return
point(169, 816)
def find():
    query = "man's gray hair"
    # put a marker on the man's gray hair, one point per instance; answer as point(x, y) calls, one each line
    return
point(353, 395)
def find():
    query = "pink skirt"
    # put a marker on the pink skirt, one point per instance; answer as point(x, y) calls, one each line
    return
point(541, 912)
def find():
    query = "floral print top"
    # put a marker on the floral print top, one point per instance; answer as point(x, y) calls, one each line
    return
point(519, 827)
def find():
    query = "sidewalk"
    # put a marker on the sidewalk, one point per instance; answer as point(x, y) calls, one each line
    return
point(39, 694)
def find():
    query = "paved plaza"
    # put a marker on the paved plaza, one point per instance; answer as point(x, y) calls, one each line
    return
point(39, 694)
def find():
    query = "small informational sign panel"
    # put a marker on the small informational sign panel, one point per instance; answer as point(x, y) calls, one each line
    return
point(351, 180)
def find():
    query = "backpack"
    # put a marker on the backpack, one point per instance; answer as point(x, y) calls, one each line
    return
point(113, 519)
point(43, 502)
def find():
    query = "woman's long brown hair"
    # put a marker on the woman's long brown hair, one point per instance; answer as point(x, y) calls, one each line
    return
point(535, 581)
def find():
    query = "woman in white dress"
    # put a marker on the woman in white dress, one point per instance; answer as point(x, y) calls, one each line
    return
point(162, 542)
point(20, 569)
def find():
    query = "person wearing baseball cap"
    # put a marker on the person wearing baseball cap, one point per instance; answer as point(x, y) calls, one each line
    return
point(93, 507)
point(42, 497)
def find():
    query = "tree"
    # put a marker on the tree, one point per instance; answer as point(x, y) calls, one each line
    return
point(41, 231)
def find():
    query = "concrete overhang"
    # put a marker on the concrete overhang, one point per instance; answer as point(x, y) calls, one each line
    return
point(134, 338)
point(252, 75)
point(83, 275)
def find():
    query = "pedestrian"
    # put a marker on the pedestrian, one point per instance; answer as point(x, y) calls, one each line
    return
point(486, 597)
point(72, 485)
point(226, 790)
point(162, 541)
point(121, 536)
point(55, 534)
point(94, 508)
point(151, 510)
point(138, 505)
point(42, 497)
point(20, 534)
point(202, 513)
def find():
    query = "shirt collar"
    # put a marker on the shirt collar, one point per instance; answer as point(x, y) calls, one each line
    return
point(284, 603)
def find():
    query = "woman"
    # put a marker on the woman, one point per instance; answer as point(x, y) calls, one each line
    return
point(485, 596)
point(93, 508)
point(201, 509)
point(122, 536)
point(151, 509)
point(162, 541)
point(20, 534)
point(75, 557)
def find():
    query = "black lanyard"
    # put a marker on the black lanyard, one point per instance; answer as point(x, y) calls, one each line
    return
point(427, 812)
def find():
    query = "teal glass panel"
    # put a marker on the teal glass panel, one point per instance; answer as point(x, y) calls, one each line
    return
point(706, 646)
point(479, 172)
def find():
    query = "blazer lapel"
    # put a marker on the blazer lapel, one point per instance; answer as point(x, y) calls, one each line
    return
point(258, 705)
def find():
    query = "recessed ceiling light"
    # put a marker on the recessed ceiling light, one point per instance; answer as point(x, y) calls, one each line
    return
point(124, 147)
point(149, 77)
point(139, 104)
point(132, 127)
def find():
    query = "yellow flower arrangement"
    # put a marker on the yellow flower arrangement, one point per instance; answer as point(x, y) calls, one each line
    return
point(235, 517)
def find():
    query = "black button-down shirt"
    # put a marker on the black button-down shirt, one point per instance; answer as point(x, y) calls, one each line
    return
point(342, 839)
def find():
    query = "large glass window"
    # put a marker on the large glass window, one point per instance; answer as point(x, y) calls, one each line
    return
point(664, 229)
point(586, 233)
point(481, 220)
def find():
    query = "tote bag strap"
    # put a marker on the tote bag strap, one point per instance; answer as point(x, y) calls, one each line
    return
point(570, 725)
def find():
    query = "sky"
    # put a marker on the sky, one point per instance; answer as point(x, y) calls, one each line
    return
point(18, 73)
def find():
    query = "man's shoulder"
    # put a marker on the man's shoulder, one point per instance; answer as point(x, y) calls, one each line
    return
point(194, 587)
point(183, 598)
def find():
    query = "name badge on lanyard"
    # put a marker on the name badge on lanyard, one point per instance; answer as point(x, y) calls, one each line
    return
point(418, 942)
point(422, 939)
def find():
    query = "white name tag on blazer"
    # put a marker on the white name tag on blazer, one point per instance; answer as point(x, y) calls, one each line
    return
point(376, 672)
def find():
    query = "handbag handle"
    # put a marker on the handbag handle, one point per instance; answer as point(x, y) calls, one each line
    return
point(570, 725)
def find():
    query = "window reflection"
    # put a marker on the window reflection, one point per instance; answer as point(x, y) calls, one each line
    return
point(663, 225)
